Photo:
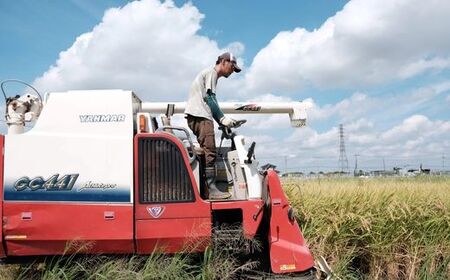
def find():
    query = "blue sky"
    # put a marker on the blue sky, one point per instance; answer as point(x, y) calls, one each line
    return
point(380, 67)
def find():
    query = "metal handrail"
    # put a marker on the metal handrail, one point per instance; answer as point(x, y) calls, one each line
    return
point(166, 127)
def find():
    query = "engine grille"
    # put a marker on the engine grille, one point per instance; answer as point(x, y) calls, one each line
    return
point(163, 176)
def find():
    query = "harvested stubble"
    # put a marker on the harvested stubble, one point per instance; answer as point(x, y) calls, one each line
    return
point(377, 228)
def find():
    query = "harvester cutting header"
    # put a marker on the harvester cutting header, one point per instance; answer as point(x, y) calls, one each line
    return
point(103, 167)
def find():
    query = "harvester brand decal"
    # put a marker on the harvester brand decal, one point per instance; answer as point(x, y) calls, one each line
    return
point(54, 183)
point(102, 118)
point(100, 186)
point(249, 107)
point(155, 211)
point(65, 187)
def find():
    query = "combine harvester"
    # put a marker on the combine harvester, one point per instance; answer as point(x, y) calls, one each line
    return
point(97, 168)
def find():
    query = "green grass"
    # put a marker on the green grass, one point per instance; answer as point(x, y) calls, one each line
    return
point(154, 266)
point(379, 228)
point(218, 264)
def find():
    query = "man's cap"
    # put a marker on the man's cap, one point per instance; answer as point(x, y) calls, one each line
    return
point(229, 56)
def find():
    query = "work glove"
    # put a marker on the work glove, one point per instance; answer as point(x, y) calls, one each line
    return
point(228, 122)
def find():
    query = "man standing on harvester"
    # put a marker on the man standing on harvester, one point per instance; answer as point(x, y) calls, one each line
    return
point(202, 108)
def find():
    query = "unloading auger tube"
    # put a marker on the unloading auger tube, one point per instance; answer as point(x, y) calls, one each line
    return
point(296, 110)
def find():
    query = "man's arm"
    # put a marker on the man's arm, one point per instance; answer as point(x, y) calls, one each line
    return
point(216, 111)
point(214, 106)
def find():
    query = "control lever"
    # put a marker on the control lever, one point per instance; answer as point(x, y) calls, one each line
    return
point(238, 123)
point(251, 152)
point(227, 133)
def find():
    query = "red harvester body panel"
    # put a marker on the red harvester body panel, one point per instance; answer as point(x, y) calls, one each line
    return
point(288, 250)
point(162, 222)
point(58, 228)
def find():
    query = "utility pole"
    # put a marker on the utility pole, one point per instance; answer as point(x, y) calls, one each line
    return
point(356, 165)
point(443, 162)
point(285, 164)
point(384, 165)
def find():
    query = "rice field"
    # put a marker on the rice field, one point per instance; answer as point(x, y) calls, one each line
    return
point(375, 228)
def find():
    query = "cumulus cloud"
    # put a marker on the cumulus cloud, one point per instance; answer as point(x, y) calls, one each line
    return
point(367, 43)
point(381, 108)
point(357, 105)
point(415, 135)
point(147, 46)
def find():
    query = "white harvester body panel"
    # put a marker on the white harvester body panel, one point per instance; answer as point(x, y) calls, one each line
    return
point(254, 181)
point(83, 136)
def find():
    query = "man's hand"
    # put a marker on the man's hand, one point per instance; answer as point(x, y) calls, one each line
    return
point(228, 122)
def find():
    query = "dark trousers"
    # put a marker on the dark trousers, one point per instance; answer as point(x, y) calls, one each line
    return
point(204, 131)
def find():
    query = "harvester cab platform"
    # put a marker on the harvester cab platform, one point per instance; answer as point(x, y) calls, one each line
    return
point(97, 169)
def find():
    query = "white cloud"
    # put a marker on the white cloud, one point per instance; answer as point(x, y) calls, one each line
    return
point(360, 132)
point(423, 65)
point(271, 122)
point(410, 127)
point(416, 135)
point(359, 104)
point(442, 87)
point(367, 43)
point(147, 46)
point(310, 139)
point(385, 109)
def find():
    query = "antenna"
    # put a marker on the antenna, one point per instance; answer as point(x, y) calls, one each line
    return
point(343, 161)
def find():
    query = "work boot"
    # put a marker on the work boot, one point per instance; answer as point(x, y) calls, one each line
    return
point(214, 192)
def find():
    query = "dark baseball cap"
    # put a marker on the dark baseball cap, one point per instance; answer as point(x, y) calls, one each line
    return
point(229, 56)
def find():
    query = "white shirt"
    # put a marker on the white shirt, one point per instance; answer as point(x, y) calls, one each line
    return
point(196, 104)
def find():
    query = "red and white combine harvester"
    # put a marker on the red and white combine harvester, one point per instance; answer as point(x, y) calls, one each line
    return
point(98, 167)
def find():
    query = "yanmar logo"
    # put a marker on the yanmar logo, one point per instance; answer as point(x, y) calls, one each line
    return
point(102, 118)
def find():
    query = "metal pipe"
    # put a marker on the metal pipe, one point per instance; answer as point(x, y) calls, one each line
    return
point(296, 110)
